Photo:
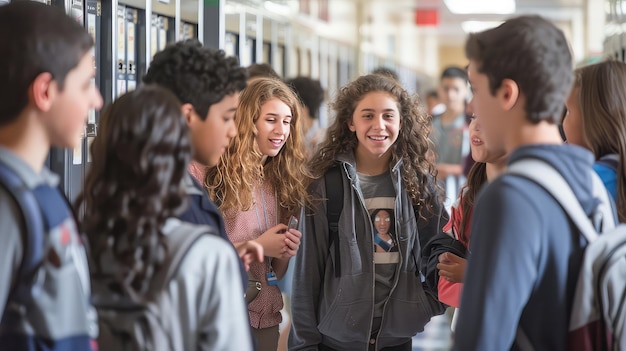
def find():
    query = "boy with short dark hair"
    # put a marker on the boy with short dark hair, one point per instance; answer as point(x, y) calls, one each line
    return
point(450, 130)
point(46, 71)
point(525, 252)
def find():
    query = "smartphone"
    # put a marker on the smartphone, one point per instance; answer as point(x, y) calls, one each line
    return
point(293, 222)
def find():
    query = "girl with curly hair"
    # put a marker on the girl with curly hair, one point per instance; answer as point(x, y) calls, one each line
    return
point(133, 193)
point(346, 295)
point(259, 183)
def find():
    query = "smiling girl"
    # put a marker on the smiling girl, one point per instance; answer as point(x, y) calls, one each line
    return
point(259, 182)
point(379, 141)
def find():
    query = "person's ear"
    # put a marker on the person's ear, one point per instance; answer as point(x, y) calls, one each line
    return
point(351, 126)
point(189, 113)
point(42, 91)
point(508, 94)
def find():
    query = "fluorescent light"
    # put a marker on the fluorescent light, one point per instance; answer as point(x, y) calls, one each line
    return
point(501, 7)
point(479, 26)
point(277, 8)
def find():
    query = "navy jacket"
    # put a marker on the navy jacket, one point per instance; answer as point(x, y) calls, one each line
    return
point(202, 210)
point(525, 257)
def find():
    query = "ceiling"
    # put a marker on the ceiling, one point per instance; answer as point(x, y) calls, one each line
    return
point(450, 29)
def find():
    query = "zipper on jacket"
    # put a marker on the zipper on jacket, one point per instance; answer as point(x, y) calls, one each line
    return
point(397, 278)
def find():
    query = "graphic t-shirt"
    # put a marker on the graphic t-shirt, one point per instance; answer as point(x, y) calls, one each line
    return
point(380, 195)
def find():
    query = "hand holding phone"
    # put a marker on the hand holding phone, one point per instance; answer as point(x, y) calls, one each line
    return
point(293, 223)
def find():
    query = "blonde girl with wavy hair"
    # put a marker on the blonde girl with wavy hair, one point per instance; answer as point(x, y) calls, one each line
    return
point(346, 295)
point(596, 120)
point(259, 183)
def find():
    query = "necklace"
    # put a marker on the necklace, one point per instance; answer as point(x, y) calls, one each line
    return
point(258, 217)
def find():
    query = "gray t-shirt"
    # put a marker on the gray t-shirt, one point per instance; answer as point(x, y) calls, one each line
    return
point(451, 140)
point(380, 196)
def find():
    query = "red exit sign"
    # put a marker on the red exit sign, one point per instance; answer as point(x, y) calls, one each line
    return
point(427, 17)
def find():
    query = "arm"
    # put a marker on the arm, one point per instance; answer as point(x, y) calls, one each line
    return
point(272, 241)
point(249, 251)
point(451, 271)
point(449, 292)
point(501, 272)
point(292, 245)
point(11, 249)
point(223, 316)
point(430, 228)
point(309, 273)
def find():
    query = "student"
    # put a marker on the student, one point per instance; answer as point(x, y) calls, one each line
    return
point(311, 94)
point(260, 182)
point(46, 70)
point(596, 120)
point(491, 162)
point(379, 141)
point(450, 127)
point(434, 105)
point(208, 85)
point(134, 190)
point(261, 70)
point(525, 251)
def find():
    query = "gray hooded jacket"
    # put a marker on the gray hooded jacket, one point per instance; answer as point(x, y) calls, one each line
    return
point(338, 312)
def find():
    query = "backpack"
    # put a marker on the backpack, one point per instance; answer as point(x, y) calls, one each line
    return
point(597, 315)
point(146, 323)
point(611, 161)
point(33, 221)
point(40, 209)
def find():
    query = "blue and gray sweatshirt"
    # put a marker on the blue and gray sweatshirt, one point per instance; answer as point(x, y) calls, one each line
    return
point(55, 313)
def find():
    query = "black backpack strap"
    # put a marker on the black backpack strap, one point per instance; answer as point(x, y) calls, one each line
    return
point(334, 207)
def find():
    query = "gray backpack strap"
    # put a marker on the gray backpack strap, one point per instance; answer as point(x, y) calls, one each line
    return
point(553, 182)
point(179, 241)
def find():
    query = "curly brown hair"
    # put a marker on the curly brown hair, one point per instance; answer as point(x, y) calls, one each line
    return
point(412, 146)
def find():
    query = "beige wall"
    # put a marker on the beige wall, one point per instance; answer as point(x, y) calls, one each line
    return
point(451, 55)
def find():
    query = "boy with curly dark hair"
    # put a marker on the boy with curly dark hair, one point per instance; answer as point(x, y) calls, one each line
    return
point(208, 84)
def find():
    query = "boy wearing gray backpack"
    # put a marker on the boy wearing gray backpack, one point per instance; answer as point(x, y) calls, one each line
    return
point(526, 252)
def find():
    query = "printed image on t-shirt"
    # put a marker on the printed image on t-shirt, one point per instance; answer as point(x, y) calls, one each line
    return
point(383, 222)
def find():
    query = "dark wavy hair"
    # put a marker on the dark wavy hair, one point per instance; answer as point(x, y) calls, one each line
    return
point(196, 75)
point(139, 160)
point(412, 146)
point(476, 178)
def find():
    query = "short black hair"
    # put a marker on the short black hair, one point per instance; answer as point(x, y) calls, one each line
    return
point(196, 75)
point(454, 72)
point(432, 93)
point(262, 70)
point(310, 92)
point(532, 52)
point(386, 71)
point(35, 39)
